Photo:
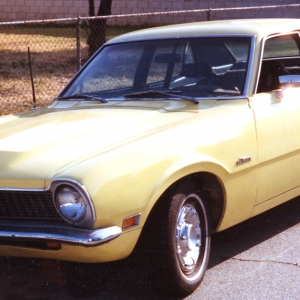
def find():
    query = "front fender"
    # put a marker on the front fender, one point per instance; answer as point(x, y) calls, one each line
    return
point(129, 180)
point(239, 188)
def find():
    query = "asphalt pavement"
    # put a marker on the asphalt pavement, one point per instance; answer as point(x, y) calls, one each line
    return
point(258, 259)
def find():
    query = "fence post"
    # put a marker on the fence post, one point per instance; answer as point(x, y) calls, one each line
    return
point(78, 38)
point(209, 14)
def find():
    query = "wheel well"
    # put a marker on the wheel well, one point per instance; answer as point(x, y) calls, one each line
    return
point(205, 183)
point(214, 194)
point(210, 187)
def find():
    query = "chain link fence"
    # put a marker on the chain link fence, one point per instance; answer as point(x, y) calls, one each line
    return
point(59, 47)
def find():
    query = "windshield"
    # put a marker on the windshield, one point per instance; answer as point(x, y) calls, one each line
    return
point(194, 67)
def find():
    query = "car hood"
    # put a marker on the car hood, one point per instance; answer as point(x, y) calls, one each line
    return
point(37, 144)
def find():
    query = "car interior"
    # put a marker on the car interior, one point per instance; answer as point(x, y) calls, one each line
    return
point(281, 57)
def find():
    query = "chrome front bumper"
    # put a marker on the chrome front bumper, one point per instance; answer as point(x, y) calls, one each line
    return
point(59, 234)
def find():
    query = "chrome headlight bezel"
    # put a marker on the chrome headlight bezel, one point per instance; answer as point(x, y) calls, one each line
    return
point(88, 217)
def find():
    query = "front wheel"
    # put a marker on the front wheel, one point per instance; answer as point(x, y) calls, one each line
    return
point(184, 244)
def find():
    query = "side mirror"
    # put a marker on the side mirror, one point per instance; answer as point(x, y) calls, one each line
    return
point(287, 80)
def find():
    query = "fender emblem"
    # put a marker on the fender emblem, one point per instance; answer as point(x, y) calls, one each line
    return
point(243, 160)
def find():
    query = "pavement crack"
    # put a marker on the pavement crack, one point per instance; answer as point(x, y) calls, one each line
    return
point(266, 260)
point(227, 257)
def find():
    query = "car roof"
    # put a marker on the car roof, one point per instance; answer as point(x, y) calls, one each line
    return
point(258, 27)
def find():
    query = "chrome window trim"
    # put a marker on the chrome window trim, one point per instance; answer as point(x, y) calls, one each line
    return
point(244, 94)
point(262, 52)
point(170, 37)
point(201, 35)
point(250, 65)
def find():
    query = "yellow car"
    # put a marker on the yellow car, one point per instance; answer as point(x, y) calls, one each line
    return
point(163, 137)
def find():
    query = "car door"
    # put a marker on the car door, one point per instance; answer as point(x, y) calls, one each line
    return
point(277, 118)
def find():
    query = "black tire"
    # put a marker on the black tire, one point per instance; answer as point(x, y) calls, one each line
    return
point(182, 243)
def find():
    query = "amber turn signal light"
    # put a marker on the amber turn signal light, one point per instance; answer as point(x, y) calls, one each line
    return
point(131, 221)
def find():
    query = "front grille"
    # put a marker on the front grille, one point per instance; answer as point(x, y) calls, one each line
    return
point(23, 205)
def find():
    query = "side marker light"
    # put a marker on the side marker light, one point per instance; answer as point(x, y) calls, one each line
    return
point(131, 221)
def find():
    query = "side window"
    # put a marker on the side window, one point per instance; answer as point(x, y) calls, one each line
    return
point(281, 57)
point(283, 46)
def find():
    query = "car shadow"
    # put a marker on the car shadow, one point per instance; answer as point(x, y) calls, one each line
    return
point(254, 231)
point(24, 279)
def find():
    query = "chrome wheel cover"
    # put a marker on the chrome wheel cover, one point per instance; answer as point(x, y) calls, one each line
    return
point(188, 238)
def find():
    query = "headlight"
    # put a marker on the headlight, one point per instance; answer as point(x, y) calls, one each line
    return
point(73, 202)
point(70, 204)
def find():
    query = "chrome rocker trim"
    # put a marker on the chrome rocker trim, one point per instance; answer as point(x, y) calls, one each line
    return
point(60, 234)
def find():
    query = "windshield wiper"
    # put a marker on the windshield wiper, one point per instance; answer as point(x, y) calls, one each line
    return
point(83, 97)
point(164, 93)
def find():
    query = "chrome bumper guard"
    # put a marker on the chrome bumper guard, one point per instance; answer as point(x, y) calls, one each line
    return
point(60, 234)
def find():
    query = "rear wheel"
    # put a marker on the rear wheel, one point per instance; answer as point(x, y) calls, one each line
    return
point(183, 244)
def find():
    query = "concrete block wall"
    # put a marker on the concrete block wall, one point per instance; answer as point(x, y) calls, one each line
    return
point(20, 10)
